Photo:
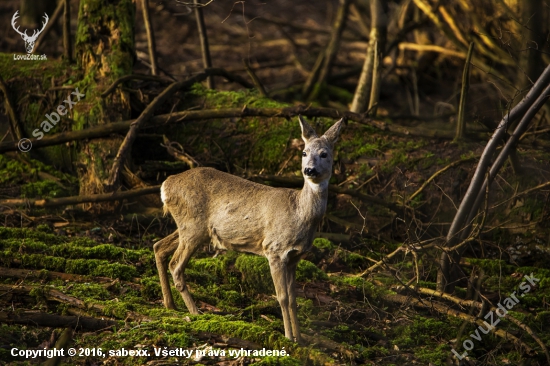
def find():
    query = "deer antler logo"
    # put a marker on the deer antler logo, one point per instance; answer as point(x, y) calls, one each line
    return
point(29, 40)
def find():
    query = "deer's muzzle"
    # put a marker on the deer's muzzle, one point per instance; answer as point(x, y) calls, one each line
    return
point(311, 172)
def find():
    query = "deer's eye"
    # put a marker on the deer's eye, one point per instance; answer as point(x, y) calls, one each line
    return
point(323, 155)
point(304, 153)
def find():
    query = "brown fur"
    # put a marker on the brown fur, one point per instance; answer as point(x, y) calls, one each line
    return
point(210, 206)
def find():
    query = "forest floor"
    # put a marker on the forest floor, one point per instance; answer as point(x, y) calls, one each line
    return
point(78, 264)
point(96, 273)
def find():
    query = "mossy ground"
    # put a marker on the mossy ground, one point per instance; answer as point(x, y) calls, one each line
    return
point(343, 309)
point(27, 179)
point(346, 313)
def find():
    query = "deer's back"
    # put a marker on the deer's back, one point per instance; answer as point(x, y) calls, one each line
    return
point(232, 211)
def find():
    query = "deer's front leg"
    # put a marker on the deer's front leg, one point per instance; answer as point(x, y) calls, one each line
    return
point(279, 269)
point(291, 290)
point(164, 248)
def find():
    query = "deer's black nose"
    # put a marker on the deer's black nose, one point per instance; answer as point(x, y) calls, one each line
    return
point(311, 172)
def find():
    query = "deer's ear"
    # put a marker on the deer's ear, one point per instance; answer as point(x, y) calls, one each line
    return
point(308, 132)
point(333, 132)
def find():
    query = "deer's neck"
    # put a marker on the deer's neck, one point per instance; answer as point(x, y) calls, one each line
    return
point(313, 200)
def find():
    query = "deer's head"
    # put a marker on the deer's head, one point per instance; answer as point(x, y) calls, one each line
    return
point(29, 40)
point(317, 156)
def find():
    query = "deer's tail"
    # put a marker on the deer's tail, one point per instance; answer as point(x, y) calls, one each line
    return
point(163, 198)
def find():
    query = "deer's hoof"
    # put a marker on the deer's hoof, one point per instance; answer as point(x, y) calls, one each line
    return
point(170, 305)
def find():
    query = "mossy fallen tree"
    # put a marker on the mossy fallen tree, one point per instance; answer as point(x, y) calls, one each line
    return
point(208, 114)
point(419, 303)
point(74, 200)
point(30, 274)
point(52, 294)
point(42, 319)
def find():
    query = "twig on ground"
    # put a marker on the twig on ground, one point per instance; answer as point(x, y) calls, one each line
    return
point(436, 174)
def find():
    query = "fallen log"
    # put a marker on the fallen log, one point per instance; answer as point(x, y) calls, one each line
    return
point(145, 116)
point(32, 274)
point(206, 114)
point(408, 301)
point(52, 294)
point(478, 305)
point(178, 117)
point(74, 200)
point(41, 319)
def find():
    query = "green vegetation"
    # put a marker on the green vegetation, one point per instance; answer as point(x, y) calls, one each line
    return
point(35, 178)
point(241, 285)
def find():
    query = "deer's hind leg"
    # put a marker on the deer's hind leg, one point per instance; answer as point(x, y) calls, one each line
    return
point(187, 246)
point(164, 248)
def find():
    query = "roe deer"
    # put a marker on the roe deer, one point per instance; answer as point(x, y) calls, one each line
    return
point(234, 213)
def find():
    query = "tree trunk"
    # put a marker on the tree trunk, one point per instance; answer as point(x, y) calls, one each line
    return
point(377, 41)
point(105, 52)
point(532, 41)
point(32, 12)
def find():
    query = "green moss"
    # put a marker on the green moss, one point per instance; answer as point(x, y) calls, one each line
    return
point(150, 288)
point(321, 249)
point(308, 272)
point(115, 270)
point(278, 361)
point(44, 70)
point(117, 309)
point(357, 286)
point(429, 355)
point(103, 251)
point(43, 261)
point(213, 266)
point(372, 352)
point(44, 228)
point(88, 291)
point(353, 260)
point(423, 331)
point(24, 245)
point(42, 189)
point(255, 273)
point(227, 99)
point(261, 142)
point(323, 244)
point(492, 266)
point(362, 144)
point(240, 329)
point(14, 172)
